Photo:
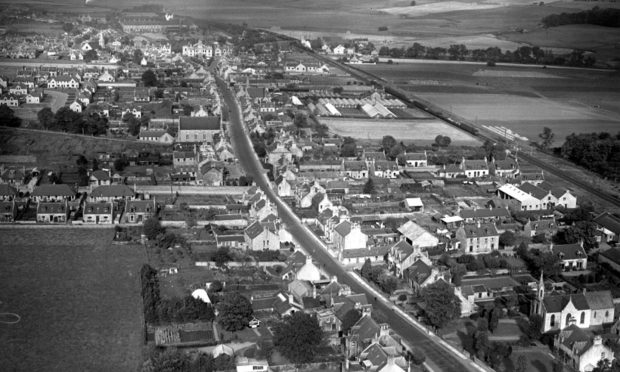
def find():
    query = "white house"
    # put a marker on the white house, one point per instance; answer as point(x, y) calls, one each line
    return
point(262, 236)
point(349, 235)
point(581, 350)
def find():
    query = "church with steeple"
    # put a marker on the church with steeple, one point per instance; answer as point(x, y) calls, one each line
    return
point(560, 310)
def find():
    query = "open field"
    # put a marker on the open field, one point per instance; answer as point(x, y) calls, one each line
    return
point(52, 148)
point(524, 99)
point(420, 131)
point(78, 297)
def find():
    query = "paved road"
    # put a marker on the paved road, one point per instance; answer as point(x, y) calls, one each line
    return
point(439, 358)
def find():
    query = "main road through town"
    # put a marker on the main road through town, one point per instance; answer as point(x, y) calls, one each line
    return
point(438, 356)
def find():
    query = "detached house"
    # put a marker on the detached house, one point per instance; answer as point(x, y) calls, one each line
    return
point(415, 159)
point(99, 178)
point(572, 256)
point(349, 235)
point(259, 237)
point(479, 238)
point(137, 211)
point(98, 213)
point(402, 255)
point(475, 168)
point(582, 350)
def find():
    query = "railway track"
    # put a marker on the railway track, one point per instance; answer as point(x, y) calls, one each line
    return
point(447, 117)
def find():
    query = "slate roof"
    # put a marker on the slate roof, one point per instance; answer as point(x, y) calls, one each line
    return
point(366, 328)
point(140, 206)
point(569, 251)
point(254, 230)
point(98, 208)
point(613, 254)
point(415, 156)
point(53, 190)
point(418, 272)
point(7, 190)
point(485, 213)
point(100, 175)
point(365, 252)
point(402, 248)
point(484, 229)
point(107, 191)
point(535, 191)
point(555, 303)
point(52, 207)
point(375, 355)
point(599, 300)
point(608, 221)
point(555, 190)
point(343, 228)
point(199, 123)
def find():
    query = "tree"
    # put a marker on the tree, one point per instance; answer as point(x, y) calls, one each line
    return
point(416, 356)
point(441, 304)
point(507, 238)
point(120, 163)
point(68, 121)
point(149, 78)
point(443, 141)
point(369, 186)
point(547, 138)
point(8, 118)
point(521, 363)
point(387, 143)
point(235, 312)
point(91, 55)
point(366, 269)
point(46, 117)
point(298, 337)
point(533, 327)
point(137, 56)
point(481, 344)
point(222, 256)
point(67, 27)
point(494, 316)
point(152, 228)
point(387, 282)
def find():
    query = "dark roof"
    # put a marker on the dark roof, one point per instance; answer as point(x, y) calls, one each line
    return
point(485, 213)
point(365, 252)
point(7, 190)
point(484, 229)
point(100, 175)
point(53, 190)
point(418, 272)
point(53, 207)
point(613, 254)
point(608, 221)
point(199, 123)
point(107, 191)
point(366, 328)
point(555, 304)
point(98, 208)
point(141, 206)
point(311, 303)
point(254, 230)
point(569, 251)
point(599, 300)
point(343, 228)
point(535, 191)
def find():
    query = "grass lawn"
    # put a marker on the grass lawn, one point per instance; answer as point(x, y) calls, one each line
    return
point(78, 297)
point(538, 360)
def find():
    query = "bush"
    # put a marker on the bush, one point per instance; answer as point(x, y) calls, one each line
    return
point(402, 297)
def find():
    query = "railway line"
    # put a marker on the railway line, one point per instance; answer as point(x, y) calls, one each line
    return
point(450, 118)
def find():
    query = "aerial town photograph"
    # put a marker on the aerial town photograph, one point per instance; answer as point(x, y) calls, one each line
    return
point(309, 185)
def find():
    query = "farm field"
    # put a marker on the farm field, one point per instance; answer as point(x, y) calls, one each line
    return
point(78, 297)
point(420, 131)
point(523, 99)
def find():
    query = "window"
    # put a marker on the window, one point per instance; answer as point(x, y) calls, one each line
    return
point(583, 317)
point(607, 314)
point(596, 312)
point(568, 319)
point(552, 323)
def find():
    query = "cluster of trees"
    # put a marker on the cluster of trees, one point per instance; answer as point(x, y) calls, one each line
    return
point(8, 118)
point(348, 148)
point(298, 337)
point(537, 260)
point(487, 261)
point(235, 312)
point(158, 310)
point(459, 52)
point(440, 304)
point(598, 152)
point(608, 17)
point(478, 344)
point(172, 359)
point(134, 124)
point(65, 120)
point(442, 141)
point(260, 142)
point(379, 276)
point(581, 228)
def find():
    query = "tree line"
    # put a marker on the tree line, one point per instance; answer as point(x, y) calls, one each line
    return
point(598, 152)
point(459, 52)
point(608, 17)
point(66, 120)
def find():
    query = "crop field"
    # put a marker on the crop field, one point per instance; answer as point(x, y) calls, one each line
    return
point(524, 99)
point(78, 297)
point(420, 131)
